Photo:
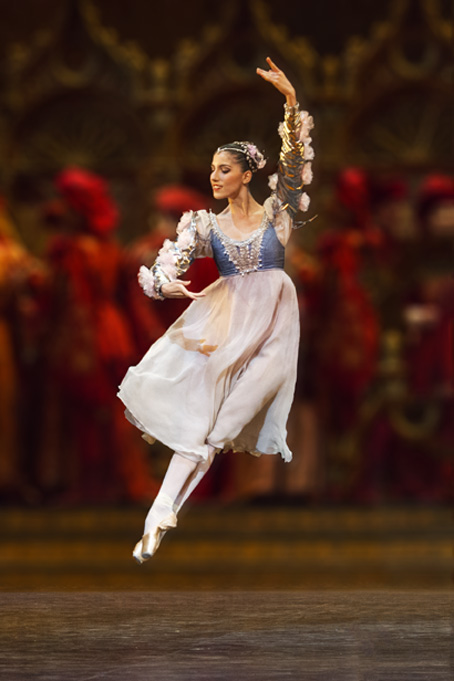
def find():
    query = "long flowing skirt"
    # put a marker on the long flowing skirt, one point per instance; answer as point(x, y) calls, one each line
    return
point(224, 373)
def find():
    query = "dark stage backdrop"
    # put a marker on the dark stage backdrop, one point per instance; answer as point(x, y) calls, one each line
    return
point(142, 92)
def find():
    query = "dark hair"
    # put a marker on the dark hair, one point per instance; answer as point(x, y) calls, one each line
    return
point(245, 154)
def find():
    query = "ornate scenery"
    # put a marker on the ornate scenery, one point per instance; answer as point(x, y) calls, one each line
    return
point(143, 101)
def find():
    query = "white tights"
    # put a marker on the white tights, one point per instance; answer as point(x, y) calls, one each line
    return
point(182, 477)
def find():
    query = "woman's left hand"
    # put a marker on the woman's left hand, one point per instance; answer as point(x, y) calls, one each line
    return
point(280, 81)
point(178, 289)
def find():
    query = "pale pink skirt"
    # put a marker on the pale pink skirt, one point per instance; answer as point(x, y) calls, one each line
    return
point(224, 373)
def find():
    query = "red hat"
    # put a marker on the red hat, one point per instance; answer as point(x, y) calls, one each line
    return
point(176, 199)
point(352, 190)
point(87, 194)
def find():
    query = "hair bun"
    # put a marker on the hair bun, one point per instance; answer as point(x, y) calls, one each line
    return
point(254, 158)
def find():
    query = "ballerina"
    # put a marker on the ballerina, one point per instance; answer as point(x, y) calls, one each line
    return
point(223, 375)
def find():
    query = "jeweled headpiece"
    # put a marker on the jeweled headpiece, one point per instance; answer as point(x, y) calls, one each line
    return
point(254, 158)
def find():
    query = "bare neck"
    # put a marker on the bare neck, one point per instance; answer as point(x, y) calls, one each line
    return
point(242, 216)
point(244, 208)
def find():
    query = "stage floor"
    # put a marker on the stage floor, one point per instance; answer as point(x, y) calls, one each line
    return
point(236, 635)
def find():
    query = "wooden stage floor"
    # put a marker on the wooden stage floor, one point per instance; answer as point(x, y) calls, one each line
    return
point(227, 636)
point(233, 594)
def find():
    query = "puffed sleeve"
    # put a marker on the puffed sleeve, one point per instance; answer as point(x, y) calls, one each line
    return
point(294, 169)
point(175, 257)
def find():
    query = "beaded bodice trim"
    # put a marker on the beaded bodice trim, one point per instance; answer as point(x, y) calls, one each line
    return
point(257, 252)
point(244, 254)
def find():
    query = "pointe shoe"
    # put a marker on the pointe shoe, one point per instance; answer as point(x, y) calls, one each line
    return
point(149, 544)
point(137, 553)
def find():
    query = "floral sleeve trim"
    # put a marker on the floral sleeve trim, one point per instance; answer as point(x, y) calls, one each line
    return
point(295, 167)
point(173, 259)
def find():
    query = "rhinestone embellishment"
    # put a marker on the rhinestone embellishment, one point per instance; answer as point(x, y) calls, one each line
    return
point(244, 254)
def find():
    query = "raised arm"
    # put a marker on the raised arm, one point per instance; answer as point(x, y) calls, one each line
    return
point(280, 81)
point(174, 258)
point(294, 169)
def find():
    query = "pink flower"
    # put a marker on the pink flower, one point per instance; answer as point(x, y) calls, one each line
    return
point(307, 174)
point(308, 152)
point(146, 280)
point(307, 123)
point(185, 221)
point(169, 270)
point(304, 202)
point(165, 257)
point(256, 156)
point(272, 182)
point(185, 238)
point(167, 247)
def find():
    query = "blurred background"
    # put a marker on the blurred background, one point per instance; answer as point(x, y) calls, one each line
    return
point(109, 114)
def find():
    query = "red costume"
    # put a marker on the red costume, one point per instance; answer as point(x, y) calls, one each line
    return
point(347, 327)
point(20, 275)
point(90, 344)
point(401, 465)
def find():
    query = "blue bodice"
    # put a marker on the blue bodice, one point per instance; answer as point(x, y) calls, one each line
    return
point(261, 251)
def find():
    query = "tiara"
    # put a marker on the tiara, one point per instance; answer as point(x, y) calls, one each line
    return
point(255, 159)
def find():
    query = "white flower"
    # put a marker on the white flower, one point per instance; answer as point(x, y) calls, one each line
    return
point(169, 269)
point(307, 123)
point(166, 247)
point(307, 174)
point(256, 156)
point(184, 239)
point(165, 257)
point(185, 221)
point(304, 202)
point(146, 280)
point(308, 154)
point(272, 182)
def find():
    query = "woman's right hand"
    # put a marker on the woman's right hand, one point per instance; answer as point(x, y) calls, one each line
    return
point(177, 289)
point(280, 81)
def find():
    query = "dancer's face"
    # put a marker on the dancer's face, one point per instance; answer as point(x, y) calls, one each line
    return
point(227, 177)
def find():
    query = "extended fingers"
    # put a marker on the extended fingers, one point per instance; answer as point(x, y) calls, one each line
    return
point(263, 73)
point(189, 294)
point(272, 65)
point(270, 76)
point(273, 76)
point(194, 296)
point(177, 289)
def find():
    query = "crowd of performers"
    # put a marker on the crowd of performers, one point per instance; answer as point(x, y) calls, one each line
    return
point(74, 319)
